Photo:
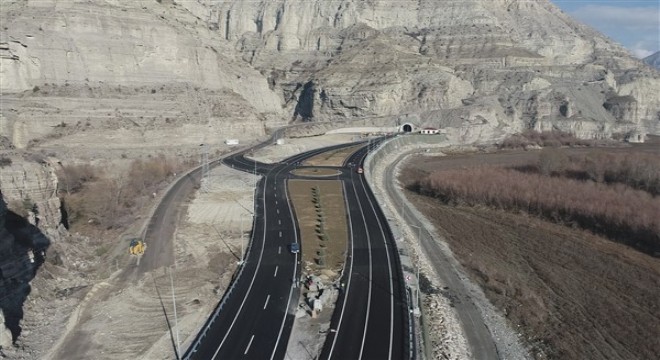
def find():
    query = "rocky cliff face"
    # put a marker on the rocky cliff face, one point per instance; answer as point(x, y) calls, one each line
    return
point(131, 71)
point(424, 58)
point(136, 72)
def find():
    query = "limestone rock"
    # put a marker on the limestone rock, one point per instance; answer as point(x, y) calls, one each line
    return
point(146, 72)
point(106, 66)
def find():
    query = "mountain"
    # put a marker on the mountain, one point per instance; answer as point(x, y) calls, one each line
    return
point(653, 60)
point(165, 72)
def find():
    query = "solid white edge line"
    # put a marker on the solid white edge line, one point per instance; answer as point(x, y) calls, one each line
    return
point(253, 277)
point(389, 268)
point(366, 322)
point(295, 266)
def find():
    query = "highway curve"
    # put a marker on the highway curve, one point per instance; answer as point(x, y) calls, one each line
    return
point(255, 316)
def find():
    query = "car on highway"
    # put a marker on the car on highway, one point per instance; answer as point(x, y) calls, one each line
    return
point(359, 170)
point(294, 248)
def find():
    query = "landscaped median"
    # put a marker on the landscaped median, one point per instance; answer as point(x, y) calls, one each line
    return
point(321, 212)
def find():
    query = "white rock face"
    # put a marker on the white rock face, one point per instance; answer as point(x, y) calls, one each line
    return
point(63, 62)
point(145, 72)
point(378, 58)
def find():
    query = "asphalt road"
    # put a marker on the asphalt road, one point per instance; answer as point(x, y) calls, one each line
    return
point(371, 314)
point(255, 317)
point(477, 334)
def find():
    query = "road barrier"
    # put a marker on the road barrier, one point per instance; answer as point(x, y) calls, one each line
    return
point(397, 147)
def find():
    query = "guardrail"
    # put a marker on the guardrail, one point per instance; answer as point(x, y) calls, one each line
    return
point(200, 336)
point(403, 208)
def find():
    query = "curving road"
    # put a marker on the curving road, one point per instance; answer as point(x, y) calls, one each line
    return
point(255, 316)
point(371, 315)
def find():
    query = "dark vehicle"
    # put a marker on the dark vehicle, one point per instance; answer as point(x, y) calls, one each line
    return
point(294, 248)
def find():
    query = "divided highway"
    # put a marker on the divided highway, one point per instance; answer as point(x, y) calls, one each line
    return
point(255, 316)
point(371, 316)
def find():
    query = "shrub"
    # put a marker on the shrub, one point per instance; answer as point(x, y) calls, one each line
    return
point(624, 214)
point(553, 138)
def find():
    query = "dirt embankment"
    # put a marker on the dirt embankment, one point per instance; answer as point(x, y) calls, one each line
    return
point(572, 294)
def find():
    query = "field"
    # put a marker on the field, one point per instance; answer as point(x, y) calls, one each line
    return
point(571, 293)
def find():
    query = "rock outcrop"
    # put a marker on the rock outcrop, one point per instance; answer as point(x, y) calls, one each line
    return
point(137, 72)
point(132, 71)
point(378, 58)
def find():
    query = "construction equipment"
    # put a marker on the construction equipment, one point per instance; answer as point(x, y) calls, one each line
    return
point(137, 247)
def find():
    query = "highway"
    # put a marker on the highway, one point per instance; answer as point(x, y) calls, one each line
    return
point(255, 316)
point(371, 315)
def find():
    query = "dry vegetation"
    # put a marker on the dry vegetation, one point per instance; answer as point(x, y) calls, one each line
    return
point(573, 294)
point(627, 215)
point(606, 202)
point(532, 138)
point(637, 170)
point(330, 238)
point(94, 197)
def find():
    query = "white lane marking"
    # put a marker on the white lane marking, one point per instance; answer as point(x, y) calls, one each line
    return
point(249, 344)
point(280, 234)
point(389, 268)
point(266, 303)
point(279, 250)
point(276, 267)
point(350, 273)
point(263, 246)
point(275, 202)
point(295, 268)
point(278, 211)
point(279, 222)
point(366, 322)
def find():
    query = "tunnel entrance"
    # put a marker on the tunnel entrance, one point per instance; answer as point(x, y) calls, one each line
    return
point(406, 128)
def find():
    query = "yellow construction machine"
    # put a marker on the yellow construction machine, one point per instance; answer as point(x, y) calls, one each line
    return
point(137, 247)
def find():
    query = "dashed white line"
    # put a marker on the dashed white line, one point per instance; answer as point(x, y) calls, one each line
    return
point(276, 267)
point(280, 234)
point(266, 303)
point(279, 222)
point(279, 250)
point(278, 211)
point(275, 202)
point(249, 344)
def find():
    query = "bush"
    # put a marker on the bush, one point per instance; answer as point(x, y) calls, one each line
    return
point(72, 178)
point(553, 138)
point(624, 214)
point(93, 198)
